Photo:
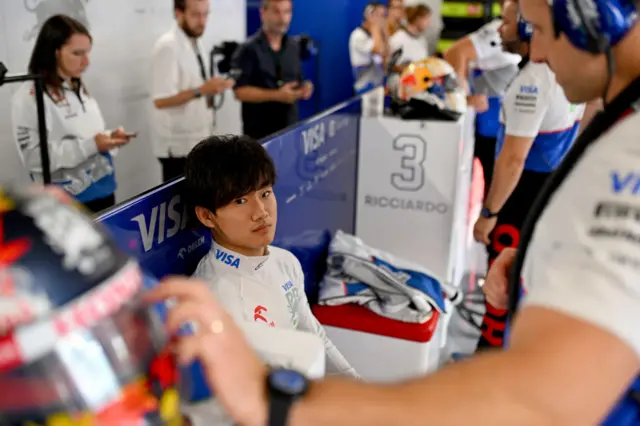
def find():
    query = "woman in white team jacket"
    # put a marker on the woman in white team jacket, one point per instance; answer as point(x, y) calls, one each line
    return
point(80, 148)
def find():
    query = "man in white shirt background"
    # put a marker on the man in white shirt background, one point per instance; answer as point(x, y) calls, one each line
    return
point(368, 48)
point(181, 89)
point(256, 282)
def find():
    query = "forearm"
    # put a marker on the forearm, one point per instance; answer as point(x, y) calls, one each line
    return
point(176, 100)
point(379, 46)
point(256, 94)
point(480, 390)
point(460, 66)
point(506, 174)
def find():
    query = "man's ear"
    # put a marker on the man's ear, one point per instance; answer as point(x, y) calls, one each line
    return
point(206, 217)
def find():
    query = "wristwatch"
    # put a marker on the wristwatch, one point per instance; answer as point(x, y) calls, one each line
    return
point(284, 387)
point(488, 214)
point(196, 93)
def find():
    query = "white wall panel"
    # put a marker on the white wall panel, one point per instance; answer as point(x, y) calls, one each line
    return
point(124, 32)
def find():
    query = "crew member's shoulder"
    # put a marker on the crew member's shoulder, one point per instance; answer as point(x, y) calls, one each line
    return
point(24, 90)
point(536, 72)
point(251, 41)
point(359, 34)
point(490, 28)
point(623, 136)
point(165, 41)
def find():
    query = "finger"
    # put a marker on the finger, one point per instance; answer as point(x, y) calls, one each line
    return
point(180, 288)
point(188, 311)
point(188, 348)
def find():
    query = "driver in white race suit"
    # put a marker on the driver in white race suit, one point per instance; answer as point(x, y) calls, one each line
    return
point(574, 348)
point(256, 282)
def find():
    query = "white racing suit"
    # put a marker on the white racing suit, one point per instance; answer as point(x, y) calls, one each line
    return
point(266, 289)
point(73, 119)
point(389, 286)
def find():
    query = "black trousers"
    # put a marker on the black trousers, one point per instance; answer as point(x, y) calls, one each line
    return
point(485, 151)
point(100, 204)
point(172, 167)
point(507, 234)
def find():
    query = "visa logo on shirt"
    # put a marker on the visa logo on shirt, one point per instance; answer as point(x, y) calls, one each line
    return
point(629, 182)
point(287, 286)
point(531, 90)
point(227, 259)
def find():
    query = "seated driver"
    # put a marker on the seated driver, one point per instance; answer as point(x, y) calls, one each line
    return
point(229, 185)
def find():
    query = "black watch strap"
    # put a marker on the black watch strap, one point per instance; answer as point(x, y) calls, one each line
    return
point(279, 407)
point(486, 213)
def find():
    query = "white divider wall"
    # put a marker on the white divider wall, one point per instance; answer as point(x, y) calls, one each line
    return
point(413, 191)
point(124, 32)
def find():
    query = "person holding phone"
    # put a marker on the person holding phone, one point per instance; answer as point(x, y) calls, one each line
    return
point(80, 148)
point(269, 67)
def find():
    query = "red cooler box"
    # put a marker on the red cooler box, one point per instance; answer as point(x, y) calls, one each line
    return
point(381, 349)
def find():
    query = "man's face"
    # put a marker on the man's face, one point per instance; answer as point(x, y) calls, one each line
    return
point(193, 20)
point(580, 74)
point(509, 27)
point(276, 16)
point(248, 223)
point(396, 10)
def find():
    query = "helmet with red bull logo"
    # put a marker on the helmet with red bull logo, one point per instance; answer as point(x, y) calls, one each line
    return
point(77, 344)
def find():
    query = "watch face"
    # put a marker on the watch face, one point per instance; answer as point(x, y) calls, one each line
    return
point(288, 381)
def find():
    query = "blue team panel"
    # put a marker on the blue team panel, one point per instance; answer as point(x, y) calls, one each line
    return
point(154, 228)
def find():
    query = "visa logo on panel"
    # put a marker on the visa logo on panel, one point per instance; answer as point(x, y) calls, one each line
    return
point(165, 221)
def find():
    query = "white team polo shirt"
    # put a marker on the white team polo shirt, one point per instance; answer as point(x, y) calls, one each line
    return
point(175, 68)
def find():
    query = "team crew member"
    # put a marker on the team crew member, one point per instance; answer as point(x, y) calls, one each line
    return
point(80, 148)
point(396, 16)
point(537, 127)
point(579, 317)
point(255, 281)
point(410, 38)
point(480, 60)
point(181, 89)
point(270, 69)
point(368, 49)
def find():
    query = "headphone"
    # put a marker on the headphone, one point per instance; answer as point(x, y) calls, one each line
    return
point(525, 29)
point(593, 25)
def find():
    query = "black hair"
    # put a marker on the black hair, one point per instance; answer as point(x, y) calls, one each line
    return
point(180, 5)
point(55, 33)
point(221, 169)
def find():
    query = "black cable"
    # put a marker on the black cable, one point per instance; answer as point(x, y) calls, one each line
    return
point(42, 125)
